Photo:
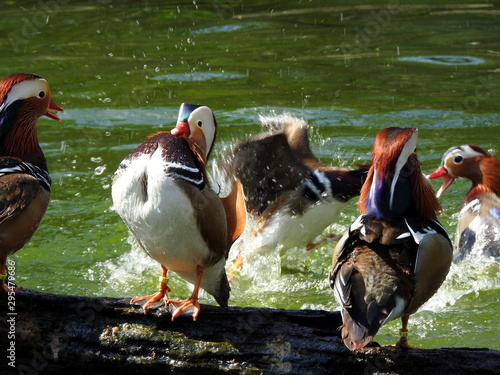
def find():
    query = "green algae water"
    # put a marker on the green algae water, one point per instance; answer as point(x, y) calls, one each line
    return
point(121, 70)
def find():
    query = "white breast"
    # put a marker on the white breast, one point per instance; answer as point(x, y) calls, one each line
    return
point(159, 214)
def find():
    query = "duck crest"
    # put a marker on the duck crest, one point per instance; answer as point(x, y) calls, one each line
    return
point(395, 185)
point(9, 81)
point(7, 100)
point(387, 193)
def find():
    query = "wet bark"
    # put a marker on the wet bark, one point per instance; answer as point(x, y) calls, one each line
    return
point(55, 333)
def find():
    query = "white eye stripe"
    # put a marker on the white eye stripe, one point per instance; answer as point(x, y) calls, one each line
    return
point(468, 152)
point(24, 90)
point(408, 149)
point(205, 116)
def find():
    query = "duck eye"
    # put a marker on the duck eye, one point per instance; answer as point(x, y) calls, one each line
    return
point(458, 159)
point(200, 123)
point(41, 94)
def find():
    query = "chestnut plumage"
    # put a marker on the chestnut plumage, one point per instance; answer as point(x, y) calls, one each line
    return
point(478, 228)
point(24, 177)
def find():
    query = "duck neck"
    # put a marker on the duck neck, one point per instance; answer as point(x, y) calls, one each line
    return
point(22, 142)
point(490, 177)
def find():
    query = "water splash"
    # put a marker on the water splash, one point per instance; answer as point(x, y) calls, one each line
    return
point(134, 273)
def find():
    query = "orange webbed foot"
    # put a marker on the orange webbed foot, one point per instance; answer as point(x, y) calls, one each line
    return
point(158, 296)
point(6, 289)
point(5, 286)
point(192, 302)
point(152, 299)
point(178, 307)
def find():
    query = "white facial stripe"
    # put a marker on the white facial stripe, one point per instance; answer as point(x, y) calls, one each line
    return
point(466, 151)
point(205, 115)
point(408, 149)
point(371, 195)
point(24, 90)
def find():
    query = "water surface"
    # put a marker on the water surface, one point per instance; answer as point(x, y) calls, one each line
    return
point(121, 70)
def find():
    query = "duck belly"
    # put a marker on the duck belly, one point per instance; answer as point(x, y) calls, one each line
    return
point(161, 217)
point(288, 231)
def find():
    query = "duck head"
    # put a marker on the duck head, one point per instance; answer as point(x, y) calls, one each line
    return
point(27, 97)
point(23, 99)
point(395, 186)
point(462, 161)
point(198, 123)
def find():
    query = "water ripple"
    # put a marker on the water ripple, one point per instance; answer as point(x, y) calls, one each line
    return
point(445, 60)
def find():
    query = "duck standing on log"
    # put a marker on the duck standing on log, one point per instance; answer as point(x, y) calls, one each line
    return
point(162, 193)
point(24, 177)
point(478, 229)
point(290, 195)
point(396, 254)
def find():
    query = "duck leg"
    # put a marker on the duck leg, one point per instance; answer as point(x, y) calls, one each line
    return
point(3, 276)
point(403, 340)
point(163, 289)
point(235, 267)
point(180, 306)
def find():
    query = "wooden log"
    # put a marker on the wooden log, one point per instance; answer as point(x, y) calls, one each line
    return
point(46, 333)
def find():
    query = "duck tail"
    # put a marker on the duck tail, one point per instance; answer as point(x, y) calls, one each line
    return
point(354, 335)
point(222, 297)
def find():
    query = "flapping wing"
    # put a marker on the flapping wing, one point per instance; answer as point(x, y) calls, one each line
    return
point(267, 167)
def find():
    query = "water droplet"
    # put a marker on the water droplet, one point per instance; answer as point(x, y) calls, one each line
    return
point(99, 170)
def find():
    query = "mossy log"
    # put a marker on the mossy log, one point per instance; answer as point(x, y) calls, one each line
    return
point(52, 334)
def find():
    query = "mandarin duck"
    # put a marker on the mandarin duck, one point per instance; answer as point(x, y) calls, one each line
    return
point(290, 196)
point(395, 255)
point(478, 229)
point(24, 177)
point(162, 193)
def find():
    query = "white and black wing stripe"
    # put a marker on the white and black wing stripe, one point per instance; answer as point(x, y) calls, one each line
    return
point(334, 184)
point(419, 229)
point(178, 160)
point(11, 166)
point(318, 186)
point(191, 175)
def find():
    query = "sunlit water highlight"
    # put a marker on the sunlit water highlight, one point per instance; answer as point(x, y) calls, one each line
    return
point(445, 60)
point(196, 76)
